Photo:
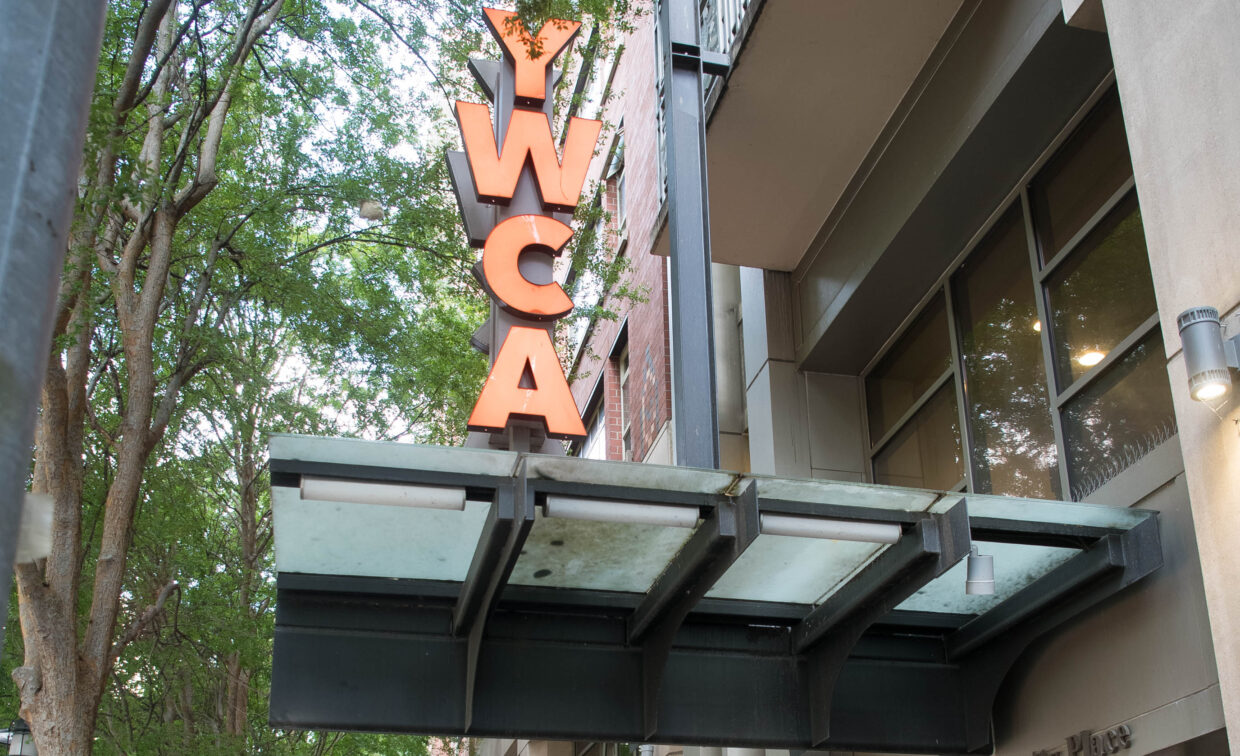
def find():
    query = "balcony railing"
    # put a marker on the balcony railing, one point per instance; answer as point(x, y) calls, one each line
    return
point(723, 25)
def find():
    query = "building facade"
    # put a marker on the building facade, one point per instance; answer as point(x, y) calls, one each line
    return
point(951, 241)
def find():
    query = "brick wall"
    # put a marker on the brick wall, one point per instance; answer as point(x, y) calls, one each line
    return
point(633, 104)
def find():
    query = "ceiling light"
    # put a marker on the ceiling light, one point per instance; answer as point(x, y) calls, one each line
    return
point(629, 512)
point(1208, 357)
point(1091, 358)
point(387, 494)
point(835, 530)
point(1037, 326)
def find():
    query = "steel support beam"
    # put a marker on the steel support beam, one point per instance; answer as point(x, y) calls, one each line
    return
point(829, 633)
point(499, 547)
point(696, 424)
point(985, 649)
point(718, 542)
point(560, 665)
point(48, 55)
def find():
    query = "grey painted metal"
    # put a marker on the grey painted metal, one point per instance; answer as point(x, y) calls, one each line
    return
point(696, 439)
point(729, 529)
point(516, 504)
point(483, 658)
point(48, 56)
point(1042, 302)
point(830, 632)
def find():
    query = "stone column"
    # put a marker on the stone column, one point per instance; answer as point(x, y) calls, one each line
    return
point(1177, 65)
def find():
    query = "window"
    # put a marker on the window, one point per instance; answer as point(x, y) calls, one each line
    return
point(1043, 345)
point(1011, 438)
point(626, 434)
point(912, 408)
point(595, 445)
point(615, 182)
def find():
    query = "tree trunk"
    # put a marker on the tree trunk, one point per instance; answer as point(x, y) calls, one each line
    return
point(62, 679)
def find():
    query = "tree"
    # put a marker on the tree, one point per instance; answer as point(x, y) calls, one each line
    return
point(231, 145)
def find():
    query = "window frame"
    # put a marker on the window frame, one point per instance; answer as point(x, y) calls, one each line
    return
point(1042, 275)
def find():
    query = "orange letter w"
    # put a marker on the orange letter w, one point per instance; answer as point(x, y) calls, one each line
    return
point(529, 134)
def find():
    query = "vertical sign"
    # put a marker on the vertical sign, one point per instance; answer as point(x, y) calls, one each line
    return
point(511, 183)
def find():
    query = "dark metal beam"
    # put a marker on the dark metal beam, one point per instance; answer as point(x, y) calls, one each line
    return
point(717, 543)
point(499, 547)
point(351, 655)
point(48, 56)
point(828, 635)
point(693, 352)
point(985, 649)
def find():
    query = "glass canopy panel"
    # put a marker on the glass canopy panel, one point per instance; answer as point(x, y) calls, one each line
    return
point(792, 569)
point(374, 540)
point(389, 454)
point(1016, 566)
point(636, 475)
point(1031, 511)
point(865, 495)
point(602, 556)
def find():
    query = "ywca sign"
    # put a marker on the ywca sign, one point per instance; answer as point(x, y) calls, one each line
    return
point(511, 183)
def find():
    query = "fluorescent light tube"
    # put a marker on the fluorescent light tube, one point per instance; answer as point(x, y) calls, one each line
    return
point(603, 510)
point(388, 494)
point(836, 530)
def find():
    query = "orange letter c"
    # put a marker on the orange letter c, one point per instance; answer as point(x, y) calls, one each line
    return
point(503, 277)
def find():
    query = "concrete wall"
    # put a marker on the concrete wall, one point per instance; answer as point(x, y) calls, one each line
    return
point(1178, 70)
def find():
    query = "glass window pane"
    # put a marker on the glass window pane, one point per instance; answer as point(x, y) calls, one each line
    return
point(1118, 418)
point(1086, 171)
point(1012, 442)
point(1101, 293)
point(908, 370)
point(926, 451)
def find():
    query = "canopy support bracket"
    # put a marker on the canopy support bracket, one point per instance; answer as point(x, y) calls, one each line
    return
point(986, 648)
point(828, 633)
point(507, 526)
point(725, 534)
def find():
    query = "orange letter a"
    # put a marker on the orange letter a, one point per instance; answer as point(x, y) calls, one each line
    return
point(550, 400)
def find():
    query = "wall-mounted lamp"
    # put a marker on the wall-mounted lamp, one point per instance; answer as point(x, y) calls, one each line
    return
point(980, 580)
point(388, 494)
point(1208, 356)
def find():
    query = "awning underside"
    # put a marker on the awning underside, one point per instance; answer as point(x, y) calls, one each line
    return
point(578, 599)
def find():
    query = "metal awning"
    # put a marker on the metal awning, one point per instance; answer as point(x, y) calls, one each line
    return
point(469, 592)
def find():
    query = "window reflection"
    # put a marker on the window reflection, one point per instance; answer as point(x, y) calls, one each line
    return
point(926, 451)
point(1012, 443)
point(1118, 418)
point(1086, 172)
point(1101, 294)
point(911, 367)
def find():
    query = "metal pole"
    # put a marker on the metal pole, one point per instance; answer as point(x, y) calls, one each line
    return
point(693, 348)
point(48, 55)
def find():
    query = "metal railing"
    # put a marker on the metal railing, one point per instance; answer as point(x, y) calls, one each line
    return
point(722, 26)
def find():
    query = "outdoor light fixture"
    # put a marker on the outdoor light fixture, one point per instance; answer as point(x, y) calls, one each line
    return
point(389, 494)
point(1208, 357)
point(607, 510)
point(980, 580)
point(822, 527)
point(21, 742)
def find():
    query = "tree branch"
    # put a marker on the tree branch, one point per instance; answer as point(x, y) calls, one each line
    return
point(143, 620)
